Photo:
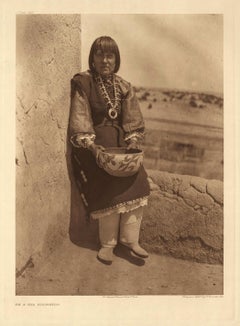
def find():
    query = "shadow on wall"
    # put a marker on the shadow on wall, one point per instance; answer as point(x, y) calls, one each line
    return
point(82, 232)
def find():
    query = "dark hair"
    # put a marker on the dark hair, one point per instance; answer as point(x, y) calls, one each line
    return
point(105, 44)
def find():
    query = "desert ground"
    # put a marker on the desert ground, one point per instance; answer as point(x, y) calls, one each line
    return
point(184, 131)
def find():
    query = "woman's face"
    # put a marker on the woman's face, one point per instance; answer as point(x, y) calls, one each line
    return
point(104, 62)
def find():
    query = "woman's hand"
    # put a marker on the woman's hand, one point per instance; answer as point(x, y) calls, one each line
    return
point(133, 145)
point(95, 149)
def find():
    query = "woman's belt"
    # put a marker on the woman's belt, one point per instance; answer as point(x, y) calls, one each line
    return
point(115, 124)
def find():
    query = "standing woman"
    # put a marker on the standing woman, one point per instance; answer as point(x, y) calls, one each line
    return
point(105, 113)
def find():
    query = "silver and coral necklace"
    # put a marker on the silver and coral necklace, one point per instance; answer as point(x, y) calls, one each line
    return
point(112, 106)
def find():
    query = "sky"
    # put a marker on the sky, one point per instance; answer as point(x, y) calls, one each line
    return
point(168, 51)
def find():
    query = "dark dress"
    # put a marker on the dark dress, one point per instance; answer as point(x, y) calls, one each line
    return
point(88, 117)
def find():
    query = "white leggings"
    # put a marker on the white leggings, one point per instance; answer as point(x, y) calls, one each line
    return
point(125, 225)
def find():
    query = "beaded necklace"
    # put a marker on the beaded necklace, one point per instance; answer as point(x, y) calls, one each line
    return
point(112, 106)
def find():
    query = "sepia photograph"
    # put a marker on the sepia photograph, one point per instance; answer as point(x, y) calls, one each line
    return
point(119, 154)
point(119, 162)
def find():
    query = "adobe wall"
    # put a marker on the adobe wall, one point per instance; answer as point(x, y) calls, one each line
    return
point(184, 217)
point(47, 56)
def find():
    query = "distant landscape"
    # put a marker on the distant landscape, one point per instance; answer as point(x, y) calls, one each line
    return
point(184, 131)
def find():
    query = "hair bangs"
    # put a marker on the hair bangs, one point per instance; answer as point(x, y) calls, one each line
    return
point(106, 44)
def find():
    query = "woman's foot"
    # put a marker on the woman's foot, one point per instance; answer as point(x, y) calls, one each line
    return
point(105, 255)
point(139, 251)
point(136, 249)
